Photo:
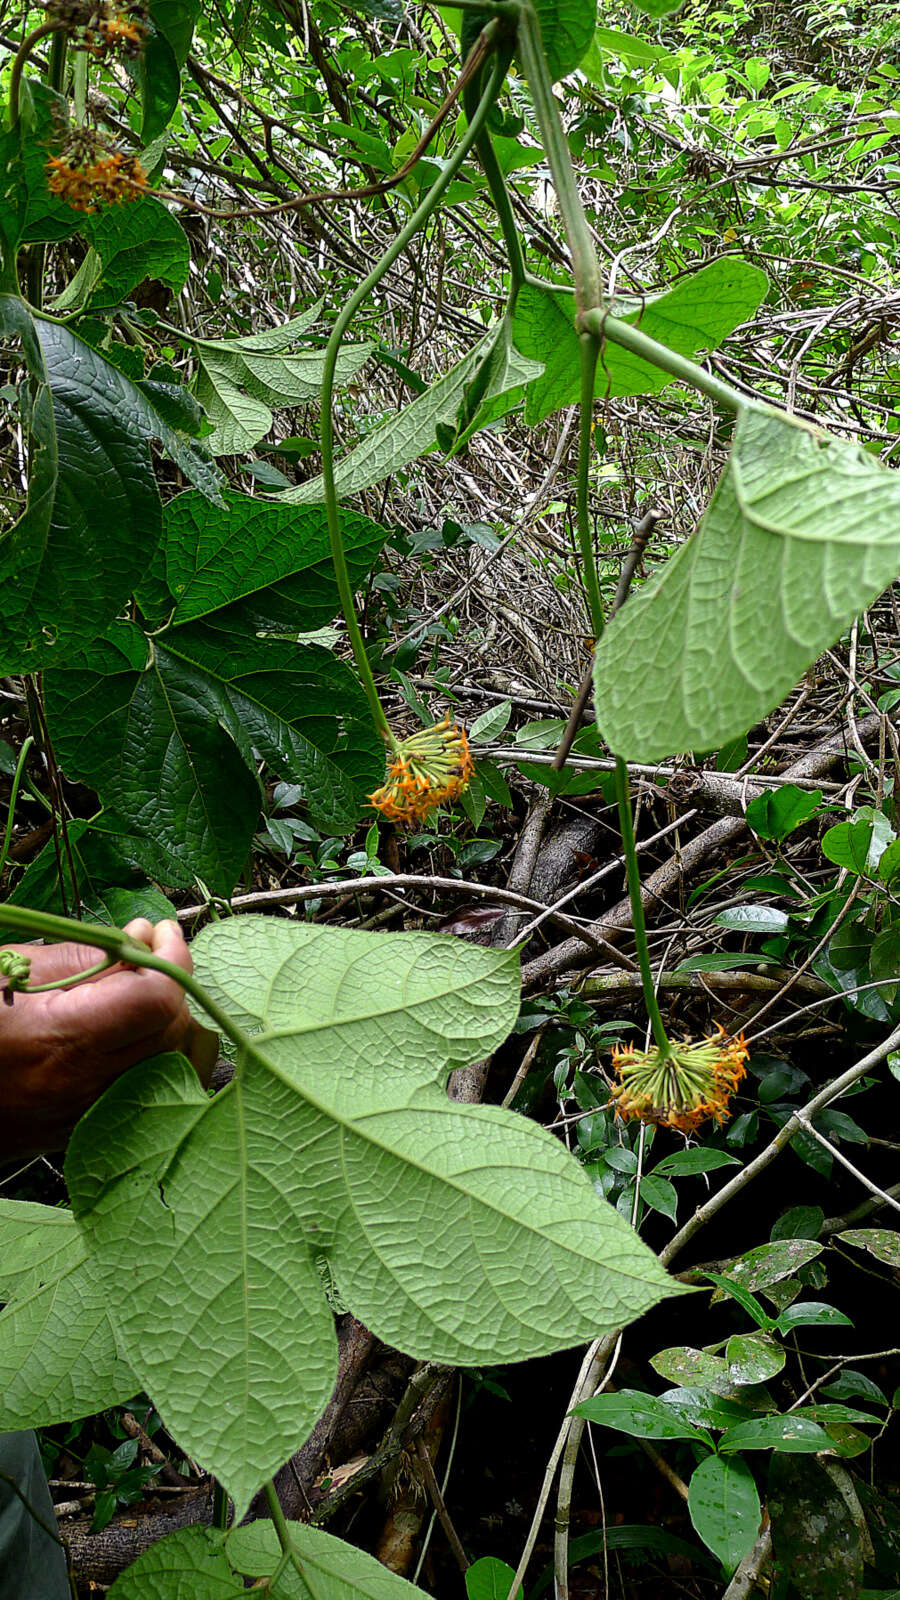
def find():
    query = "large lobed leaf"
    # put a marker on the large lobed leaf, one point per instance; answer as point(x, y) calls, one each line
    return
point(802, 532)
point(459, 1233)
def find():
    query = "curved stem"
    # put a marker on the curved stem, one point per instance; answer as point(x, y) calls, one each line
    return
point(17, 779)
point(45, 925)
point(421, 214)
point(19, 59)
point(632, 873)
point(70, 982)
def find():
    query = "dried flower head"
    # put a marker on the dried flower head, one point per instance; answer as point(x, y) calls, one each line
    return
point(101, 26)
point(87, 174)
point(429, 769)
point(682, 1089)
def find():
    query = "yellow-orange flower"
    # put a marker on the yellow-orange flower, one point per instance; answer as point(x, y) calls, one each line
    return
point(429, 769)
point(682, 1089)
point(87, 174)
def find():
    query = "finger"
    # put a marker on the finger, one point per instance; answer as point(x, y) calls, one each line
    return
point(169, 943)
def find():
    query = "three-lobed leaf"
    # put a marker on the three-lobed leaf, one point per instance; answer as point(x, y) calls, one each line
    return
point(457, 1233)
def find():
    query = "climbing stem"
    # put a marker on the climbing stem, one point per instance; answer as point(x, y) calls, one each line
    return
point(632, 874)
point(585, 266)
point(483, 47)
point(590, 349)
point(18, 65)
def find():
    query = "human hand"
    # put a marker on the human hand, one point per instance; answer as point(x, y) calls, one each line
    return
point(60, 1050)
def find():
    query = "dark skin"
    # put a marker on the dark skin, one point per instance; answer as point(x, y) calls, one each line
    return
point(60, 1050)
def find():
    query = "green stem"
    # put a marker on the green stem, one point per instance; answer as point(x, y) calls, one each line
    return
point(70, 982)
point(590, 349)
point(585, 266)
point(499, 191)
point(282, 1530)
point(632, 873)
point(44, 925)
point(79, 87)
point(659, 355)
point(17, 779)
point(19, 59)
point(419, 217)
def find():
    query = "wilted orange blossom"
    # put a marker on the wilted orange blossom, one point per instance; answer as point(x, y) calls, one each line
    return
point(429, 769)
point(682, 1089)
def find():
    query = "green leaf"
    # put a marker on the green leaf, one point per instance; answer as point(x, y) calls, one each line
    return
point(792, 1434)
point(889, 864)
point(490, 723)
point(685, 1365)
point(497, 385)
point(778, 812)
point(457, 1233)
point(92, 518)
point(724, 1507)
point(59, 1358)
point(812, 1314)
point(301, 708)
point(218, 554)
point(800, 1222)
point(850, 1385)
point(882, 1243)
point(567, 28)
point(163, 746)
point(753, 919)
point(769, 1263)
point(643, 1416)
point(695, 314)
point(135, 242)
point(860, 843)
point(159, 68)
point(658, 8)
point(705, 1409)
point(240, 382)
point(400, 439)
point(815, 1535)
point(491, 1579)
point(801, 533)
point(30, 213)
point(753, 1358)
point(687, 1162)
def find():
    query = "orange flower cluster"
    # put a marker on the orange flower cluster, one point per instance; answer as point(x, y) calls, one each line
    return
point(429, 769)
point(88, 175)
point(680, 1090)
